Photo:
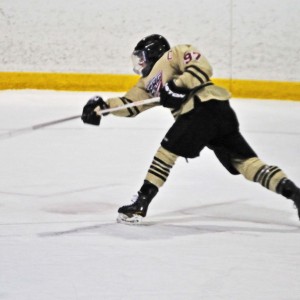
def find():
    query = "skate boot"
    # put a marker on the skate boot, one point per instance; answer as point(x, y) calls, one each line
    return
point(289, 190)
point(135, 212)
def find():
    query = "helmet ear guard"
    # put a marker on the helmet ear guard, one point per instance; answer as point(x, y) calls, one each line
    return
point(147, 52)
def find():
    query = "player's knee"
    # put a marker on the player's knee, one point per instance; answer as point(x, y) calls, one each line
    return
point(166, 156)
point(249, 167)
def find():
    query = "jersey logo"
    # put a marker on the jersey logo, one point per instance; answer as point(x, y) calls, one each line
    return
point(154, 85)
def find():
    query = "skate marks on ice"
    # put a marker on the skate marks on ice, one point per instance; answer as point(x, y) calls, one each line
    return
point(240, 210)
point(234, 217)
point(80, 208)
point(77, 230)
point(62, 192)
point(163, 231)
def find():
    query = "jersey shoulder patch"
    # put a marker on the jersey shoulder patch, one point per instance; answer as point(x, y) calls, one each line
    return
point(154, 85)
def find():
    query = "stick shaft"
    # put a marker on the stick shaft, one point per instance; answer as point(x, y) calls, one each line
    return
point(137, 103)
point(16, 132)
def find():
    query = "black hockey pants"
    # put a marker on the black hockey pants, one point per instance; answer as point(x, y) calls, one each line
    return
point(211, 124)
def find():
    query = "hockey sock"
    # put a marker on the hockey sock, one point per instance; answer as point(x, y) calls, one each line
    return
point(160, 167)
point(255, 170)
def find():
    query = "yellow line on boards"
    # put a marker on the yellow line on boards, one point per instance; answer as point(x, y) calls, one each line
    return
point(261, 89)
point(239, 88)
point(66, 81)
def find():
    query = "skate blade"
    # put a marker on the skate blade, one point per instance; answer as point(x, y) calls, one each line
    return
point(134, 220)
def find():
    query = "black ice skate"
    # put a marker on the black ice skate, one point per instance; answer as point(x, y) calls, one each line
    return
point(289, 190)
point(135, 212)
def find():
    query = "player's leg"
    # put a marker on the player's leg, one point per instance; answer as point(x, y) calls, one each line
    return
point(156, 176)
point(238, 157)
point(183, 139)
point(270, 177)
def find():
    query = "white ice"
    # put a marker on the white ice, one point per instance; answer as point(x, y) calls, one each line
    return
point(208, 235)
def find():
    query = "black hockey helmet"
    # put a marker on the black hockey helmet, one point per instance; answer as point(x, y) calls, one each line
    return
point(147, 52)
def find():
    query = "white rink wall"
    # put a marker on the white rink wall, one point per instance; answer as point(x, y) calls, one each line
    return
point(243, 39)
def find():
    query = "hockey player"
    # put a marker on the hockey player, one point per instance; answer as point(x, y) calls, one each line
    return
point(181, 77)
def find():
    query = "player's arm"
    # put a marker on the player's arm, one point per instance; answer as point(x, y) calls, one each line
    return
point(193, 71)
point(136, 93)
point(91, 111)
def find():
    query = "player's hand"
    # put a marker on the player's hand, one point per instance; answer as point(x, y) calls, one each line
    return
point(172, 96)
point(89, 114)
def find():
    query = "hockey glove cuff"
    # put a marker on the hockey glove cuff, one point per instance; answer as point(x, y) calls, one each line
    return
point(172, 96)
point(89, 114)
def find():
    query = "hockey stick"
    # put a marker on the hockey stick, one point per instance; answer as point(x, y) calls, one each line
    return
point(137, 103)
point(24, 130)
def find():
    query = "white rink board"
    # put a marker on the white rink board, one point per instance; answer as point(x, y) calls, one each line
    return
point(242, 39)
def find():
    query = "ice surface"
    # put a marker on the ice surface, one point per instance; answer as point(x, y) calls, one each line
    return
point(208, 235)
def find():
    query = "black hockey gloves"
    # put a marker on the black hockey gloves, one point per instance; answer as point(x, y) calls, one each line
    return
point(172, 96)
point(89, 116)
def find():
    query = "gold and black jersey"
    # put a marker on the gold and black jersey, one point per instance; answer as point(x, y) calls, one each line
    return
point(188, 68)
